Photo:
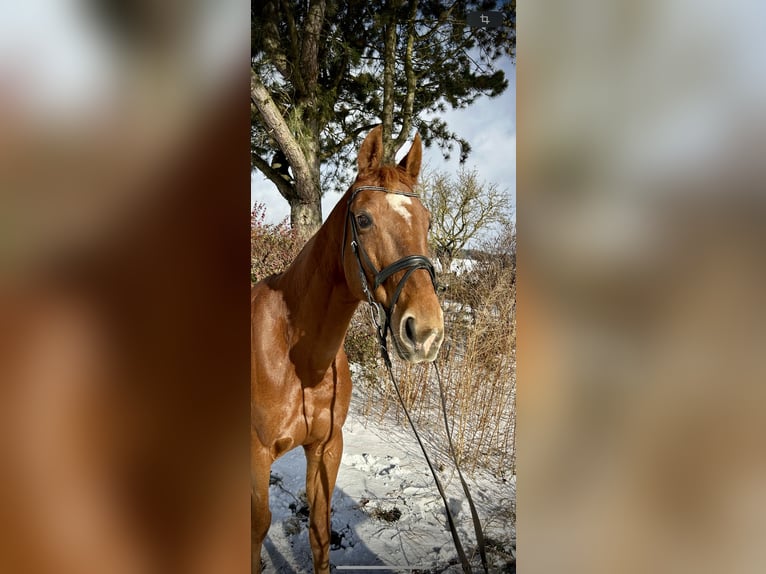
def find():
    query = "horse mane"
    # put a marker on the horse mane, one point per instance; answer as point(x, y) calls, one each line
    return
point(388, 176)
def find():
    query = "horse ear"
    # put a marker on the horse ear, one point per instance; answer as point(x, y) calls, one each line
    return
point(411, 162)
point(371, 152)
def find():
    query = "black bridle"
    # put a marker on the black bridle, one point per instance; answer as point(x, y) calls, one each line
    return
point(409, 263)
point(381, 318)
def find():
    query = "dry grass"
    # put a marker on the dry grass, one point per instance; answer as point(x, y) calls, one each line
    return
point(477, 364)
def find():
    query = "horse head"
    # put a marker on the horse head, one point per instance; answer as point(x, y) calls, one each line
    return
point(385, 251)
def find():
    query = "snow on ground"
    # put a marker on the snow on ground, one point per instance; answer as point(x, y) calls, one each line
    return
point(387, 513)
point(458, 266)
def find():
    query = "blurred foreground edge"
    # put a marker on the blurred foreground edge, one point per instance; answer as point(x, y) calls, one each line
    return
point(124, 330)
point(641, 261)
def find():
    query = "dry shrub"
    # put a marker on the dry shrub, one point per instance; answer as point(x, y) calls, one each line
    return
point(362, 349)
point(272, 246)
point(479, 366)
point(477, 363)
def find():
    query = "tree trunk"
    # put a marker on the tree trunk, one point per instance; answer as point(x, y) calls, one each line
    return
point(306, 204)
point(306, 218)
point(389, 67)
point(411, 78)
point(303, 158)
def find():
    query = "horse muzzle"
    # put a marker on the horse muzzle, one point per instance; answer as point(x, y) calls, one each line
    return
point(418, 339)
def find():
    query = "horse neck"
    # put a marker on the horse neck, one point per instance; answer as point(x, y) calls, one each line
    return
point(319, 301)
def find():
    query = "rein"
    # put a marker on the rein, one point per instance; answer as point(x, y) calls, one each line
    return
point(381, 318)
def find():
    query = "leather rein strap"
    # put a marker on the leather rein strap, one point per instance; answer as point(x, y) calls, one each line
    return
point(381, 318)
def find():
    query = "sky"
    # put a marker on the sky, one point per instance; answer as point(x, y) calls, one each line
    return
point(489, 125)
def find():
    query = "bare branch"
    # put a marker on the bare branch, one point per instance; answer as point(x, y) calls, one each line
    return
point(461, 210)
point(279, 130)
point(285, 188)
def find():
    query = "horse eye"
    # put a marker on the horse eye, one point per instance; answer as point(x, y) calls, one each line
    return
point(364, 220)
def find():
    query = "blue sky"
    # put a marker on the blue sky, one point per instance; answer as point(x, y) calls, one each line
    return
point(489, 125)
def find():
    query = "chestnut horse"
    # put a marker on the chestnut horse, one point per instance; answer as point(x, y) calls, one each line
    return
point(301, 385)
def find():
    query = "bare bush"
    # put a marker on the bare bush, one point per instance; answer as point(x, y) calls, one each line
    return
point(272, 246)
point(462, 208)
point(362, 349)
point(477, 363)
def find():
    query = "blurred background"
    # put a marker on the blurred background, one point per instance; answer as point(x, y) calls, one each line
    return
point(641, 133)
point(124, 361)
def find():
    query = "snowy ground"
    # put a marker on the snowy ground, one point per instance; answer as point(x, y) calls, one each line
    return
point(387, 514)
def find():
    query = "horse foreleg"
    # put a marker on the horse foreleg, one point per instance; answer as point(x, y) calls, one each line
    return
point(322, 462)
point(260, 515)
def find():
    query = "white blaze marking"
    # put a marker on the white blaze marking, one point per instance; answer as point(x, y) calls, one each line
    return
point(399, 204)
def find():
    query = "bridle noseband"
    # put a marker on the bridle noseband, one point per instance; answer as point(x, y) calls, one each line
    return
point(410, 263)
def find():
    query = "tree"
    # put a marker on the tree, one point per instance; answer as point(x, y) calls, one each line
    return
point(461, 209)
point(324, 72)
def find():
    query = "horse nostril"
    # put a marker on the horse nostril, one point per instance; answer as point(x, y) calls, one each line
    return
point(409, 329)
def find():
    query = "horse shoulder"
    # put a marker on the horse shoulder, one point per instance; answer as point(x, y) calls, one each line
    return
point(275, 391)
point(268, 336)
point(343, 389)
